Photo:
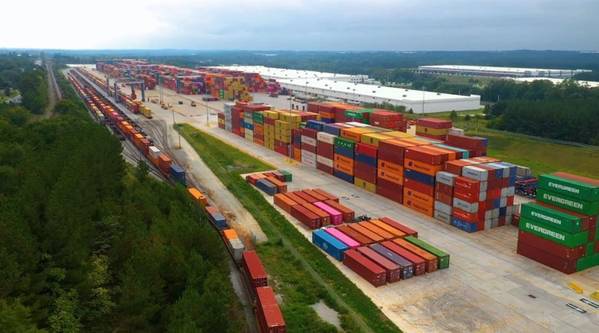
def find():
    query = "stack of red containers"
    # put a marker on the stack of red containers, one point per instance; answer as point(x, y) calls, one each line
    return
point(389, 182)
point(365, 163)
point(386, 119)
point(325, 150)
point(236, 116)
point(476, 145)
point(433, 128)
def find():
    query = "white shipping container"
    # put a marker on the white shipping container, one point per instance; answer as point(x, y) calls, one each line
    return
point(465, 206)
point(308, 158)
point(237, 248)
point(446, 178)
point(323, 160)
point(456, 131)
point(443, 217)
point(308, 140)
point(443, 207)
point(154, 152)
point(326, 137)
point(475, 173)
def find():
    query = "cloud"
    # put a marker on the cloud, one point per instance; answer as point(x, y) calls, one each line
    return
point(302, 24)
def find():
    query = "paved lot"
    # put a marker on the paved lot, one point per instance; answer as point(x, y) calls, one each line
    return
point(488, 287)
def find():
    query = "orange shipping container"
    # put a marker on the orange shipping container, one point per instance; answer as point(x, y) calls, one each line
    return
point(197, 196)
point(418, 206)
point(365, 232)
point(392, 167)
point(431, 260)
point(391, 176)
point(388, 228)
point(370, 226)
point(230, 234)
point(417, 196)
point(422, 167)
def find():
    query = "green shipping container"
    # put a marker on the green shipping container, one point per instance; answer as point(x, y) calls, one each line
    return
point(587, 262)
point(571, 188)
point(560, 220)
point(361, 114)
point(442, 256)
point(570, 203)
point(553, 234)
point(287, 175)
point(345, 143)
point(258, 117)
point(590, 249)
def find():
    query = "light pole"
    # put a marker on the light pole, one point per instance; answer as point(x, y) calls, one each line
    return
point(174, 127)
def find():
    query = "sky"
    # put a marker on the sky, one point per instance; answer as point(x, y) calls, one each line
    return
point(301, 24)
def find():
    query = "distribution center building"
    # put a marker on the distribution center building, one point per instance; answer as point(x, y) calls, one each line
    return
point(348, 88)
point(499, 71)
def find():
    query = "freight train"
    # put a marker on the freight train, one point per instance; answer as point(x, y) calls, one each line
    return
point(267, 311)
point(110, 113)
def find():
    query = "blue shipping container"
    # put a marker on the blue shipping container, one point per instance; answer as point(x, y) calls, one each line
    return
point(463, 152)
point(366, 159)
point(332, 129)
point(315, 125)
point(266, 186)
point(344, 176)
point(329, 244)
point(219, 220)
point(463, 225)
point(407, 267)
point(344, 151)
point(419, 177)
point(178, 174)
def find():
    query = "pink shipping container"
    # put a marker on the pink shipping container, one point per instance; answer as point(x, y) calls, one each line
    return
point(343, 238)
point(336, 216)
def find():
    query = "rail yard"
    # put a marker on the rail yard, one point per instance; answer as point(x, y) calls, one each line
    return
point(489, 286)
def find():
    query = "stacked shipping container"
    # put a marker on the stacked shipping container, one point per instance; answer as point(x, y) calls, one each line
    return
point(560, 229)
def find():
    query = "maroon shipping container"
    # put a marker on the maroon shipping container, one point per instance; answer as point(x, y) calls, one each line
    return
point(426, 155)
point(325, 149)
point(316, 195)
point(550, 247)
point(306, 196)
point(365, 172)
point(323, 217)
point(419, 263)
point(364, 267)
point(305, 216)
point(358, 237)
point(434, 123)
point(326, 194)
point(308, 147)
point(348, 214)
point(325, 168)
point(254, 269)
point(389, 190)
point(398, 225)
point(393, 270)
point(268, 313)
point(311, 133)
point(467, 142)
point(567, 266)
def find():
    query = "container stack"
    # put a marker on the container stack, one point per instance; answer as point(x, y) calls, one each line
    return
point(248, 125)
point(444, 196)
point(560, 229)
point(325, 149)
point(362, 115)
point(388, 119)
point(433, 128)
point(258, 122)
point(365, 166)
point(270, 183)
point(308, 145)
point(381, 250)
point(477, 146)
point(270, 118)
point(343, 164)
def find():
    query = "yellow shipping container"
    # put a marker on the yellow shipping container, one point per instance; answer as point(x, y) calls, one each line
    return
point(399, 134)
point(374, 138)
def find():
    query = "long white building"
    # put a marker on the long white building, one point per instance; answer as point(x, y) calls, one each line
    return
point(417, 100)
point(283, 73)
point(500, 71)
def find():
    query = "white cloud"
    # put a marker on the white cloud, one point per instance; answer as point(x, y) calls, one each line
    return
point(300, 24)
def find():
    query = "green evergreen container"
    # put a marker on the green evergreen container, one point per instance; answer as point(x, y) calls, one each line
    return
point(570, 203)
point(587, 262)
point(571, 188)
point(258, 117)
point(560, 220)
point(553, 234)
point(345, 143)
point(362, 114)
point(441, 256)
point(287, 175)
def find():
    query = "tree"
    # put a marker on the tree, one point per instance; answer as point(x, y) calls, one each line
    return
point(467, 117)
point(141, 172)
point(453, 116)
point(65, 317)
point(16, 318)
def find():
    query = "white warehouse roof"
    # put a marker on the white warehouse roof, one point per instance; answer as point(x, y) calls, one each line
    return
point(589, 84)
point(503, 71)
point(282, 73)
point(417, 100)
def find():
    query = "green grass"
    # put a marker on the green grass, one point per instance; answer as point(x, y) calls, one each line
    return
point(300, 272)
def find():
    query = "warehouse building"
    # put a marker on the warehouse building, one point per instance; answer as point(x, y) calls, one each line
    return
point(499, 71)
point(282, 73)
point(416, 100)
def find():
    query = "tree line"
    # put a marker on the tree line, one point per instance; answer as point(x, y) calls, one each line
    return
point(90, 244)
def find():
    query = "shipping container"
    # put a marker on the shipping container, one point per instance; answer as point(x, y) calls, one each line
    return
point(254, 269)
point(393, 270)
point(365, 267)
point(329, 244)
point(432, 262)
point(407, 268)
point(269, 315)
point(441, 255)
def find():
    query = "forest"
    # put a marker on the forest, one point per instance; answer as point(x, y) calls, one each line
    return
point(91, 244)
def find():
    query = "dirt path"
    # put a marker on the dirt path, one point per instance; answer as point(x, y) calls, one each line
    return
point(54, 94)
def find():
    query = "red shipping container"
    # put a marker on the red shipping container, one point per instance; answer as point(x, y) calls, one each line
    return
point(323, 217)
point(269, 315)
point(434, 123)
point(420, 187)
point(296, 198)
point(389, 190)
point(365, 172)
point(308, 147)
point(366, 232)
point(456, 166)
point(325, 194)
point(392, 150)
point(567, 266)
point(467, 142)
point(305, 216)
point(348, 214)
point(550, 247)
point(358, 237)
point(325, 149)
point(444, 198)
point(316, 195)
point(393, 270)
point(426, 155)
point(254, 269)
point(312, 133)
point(400, 226)
point(364, 267)
point(306, 196)
point(366, 149)
point(444, 188)
point(325, 168)
point(419, 263)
